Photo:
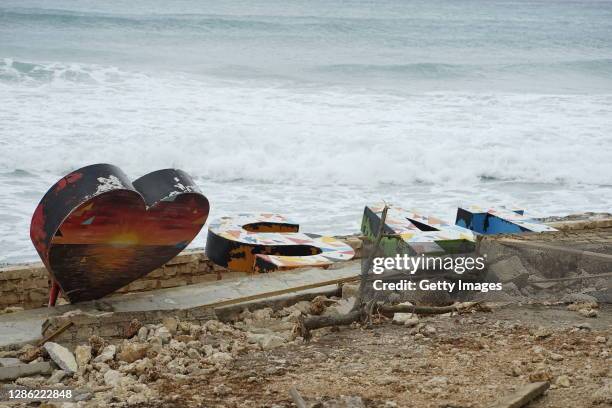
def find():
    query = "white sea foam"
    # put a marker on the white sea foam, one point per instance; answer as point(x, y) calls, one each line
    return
point(318, 154)
point(232, 131)
point(311, 108)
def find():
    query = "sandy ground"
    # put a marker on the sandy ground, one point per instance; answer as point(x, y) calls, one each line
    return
point(461, 361)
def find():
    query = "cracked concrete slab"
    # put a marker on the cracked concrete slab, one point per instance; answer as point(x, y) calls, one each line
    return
point(25, 326)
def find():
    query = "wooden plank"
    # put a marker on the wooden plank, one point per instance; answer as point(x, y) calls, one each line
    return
point(281, 292)
point(523, 396)
point(56, 333)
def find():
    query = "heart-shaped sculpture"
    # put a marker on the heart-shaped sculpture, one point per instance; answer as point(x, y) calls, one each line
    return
point(96, 231)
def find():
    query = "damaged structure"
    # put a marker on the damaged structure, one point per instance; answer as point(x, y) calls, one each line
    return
point(214, 337)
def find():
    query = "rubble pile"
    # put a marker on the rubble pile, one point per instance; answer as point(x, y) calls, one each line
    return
point(238, 363)
point(172, 350)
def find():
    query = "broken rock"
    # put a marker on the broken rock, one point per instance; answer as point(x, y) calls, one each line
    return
point(563, 381)
point(107, 354)
point(266, 341)
point(350, 290)
point(24, 370)
point(407, 319)
point(62, 357)
point(163, 333)
point(133, 328)
point(29, 353)
point(57, 376)
point(97, 344)
point(340, 308)
point(9, 361)
point(112, 378)
point(143, 332)
point(511, 270)
point(171, 324)
point(588, 312)
point(541, 375)
point(82, 354)
point(220, 358)
point(579, 298)
point(131, 352)
point(542, 333)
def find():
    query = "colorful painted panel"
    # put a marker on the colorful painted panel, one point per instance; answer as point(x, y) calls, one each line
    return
point(418, 233)
point(498, 221)
point(270, 242)
point(96, 231)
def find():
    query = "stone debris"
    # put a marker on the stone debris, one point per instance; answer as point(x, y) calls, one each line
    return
point(582, 298)
point(587, 312)
point(112, 378)
point(563, 381)
point(407, 319)
point(61, 356)
point(542, 333)
point(171, 324)
point(107, 354)
point(9, 361)
point(143, 334)
point(319, 304)
point(133, 328)
point(163, 334)
point(82, 355)
point(350, 290)
point(56, 377)
point(236, 363)
point(510, 270)
point(556, 357)
point(24, 370)
point(29, 353)
point(97, 343)
point(131, 352)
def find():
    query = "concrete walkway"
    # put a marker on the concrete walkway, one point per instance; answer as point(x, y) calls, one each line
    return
point(25, 326)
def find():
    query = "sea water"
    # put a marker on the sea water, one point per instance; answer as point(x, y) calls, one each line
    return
point(311, 108)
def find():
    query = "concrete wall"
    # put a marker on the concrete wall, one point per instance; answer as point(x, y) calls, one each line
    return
point(27, 285)
point(549, 263)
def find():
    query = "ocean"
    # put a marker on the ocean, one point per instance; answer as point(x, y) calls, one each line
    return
point(311, 108)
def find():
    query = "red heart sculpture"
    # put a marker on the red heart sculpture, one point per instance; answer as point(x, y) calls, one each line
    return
point(96, 231)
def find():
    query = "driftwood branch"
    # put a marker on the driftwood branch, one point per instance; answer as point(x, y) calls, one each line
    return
point(319, 322)
point(358, 312)
point(426, 310)
point(365, 268)
point(56, 333)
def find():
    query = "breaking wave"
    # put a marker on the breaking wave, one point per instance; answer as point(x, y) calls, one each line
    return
point(430, 70)
point(31, 73)
point(227, 131)
point(310, 108)
point(179, 22)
